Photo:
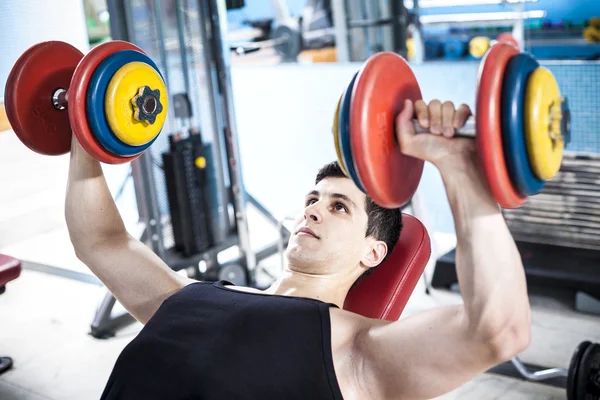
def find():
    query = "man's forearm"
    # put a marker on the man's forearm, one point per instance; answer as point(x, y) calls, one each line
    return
point(90, 211)
point(489, 266)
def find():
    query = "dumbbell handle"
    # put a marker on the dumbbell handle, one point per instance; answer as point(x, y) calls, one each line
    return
point(60, 99)
point(466, 131)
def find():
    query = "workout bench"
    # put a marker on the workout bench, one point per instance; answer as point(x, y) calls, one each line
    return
point(10, 269)
point(385, 292)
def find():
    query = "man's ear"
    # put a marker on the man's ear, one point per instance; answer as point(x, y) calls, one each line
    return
point(375, 254)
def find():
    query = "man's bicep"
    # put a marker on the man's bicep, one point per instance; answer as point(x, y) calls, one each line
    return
point(422, 356)
point(134, 274)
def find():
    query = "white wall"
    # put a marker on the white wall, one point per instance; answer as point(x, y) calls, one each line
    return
point(285, 115)
point(25, 23)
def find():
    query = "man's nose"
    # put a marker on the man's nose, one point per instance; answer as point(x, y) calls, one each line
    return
point(313, 213)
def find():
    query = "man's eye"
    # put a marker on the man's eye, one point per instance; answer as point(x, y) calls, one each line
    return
point(340, 207)
point(310, 201)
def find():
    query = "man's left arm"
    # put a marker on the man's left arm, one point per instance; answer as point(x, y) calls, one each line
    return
point(432, 353)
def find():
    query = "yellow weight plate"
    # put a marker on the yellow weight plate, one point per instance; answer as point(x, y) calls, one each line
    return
point(123, 87)
point(410, 47)
point(543, 115)
point(478, 46)
point(336, 137)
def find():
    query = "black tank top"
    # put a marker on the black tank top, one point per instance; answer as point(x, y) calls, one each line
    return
point(211, 342)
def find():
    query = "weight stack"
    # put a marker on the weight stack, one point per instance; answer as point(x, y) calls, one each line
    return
point(185, 166)
point(567, 211)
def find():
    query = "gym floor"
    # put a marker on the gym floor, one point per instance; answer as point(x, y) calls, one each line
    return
point(45, 318)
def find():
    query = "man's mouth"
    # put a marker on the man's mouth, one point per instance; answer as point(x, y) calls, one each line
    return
point(306, 231)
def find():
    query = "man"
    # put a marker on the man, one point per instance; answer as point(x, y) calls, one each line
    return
point(213, 341)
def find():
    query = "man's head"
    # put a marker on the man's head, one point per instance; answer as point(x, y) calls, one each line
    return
point(352, 234)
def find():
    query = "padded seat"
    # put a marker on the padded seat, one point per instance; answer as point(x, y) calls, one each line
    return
point(10, 269)
point(384, 293)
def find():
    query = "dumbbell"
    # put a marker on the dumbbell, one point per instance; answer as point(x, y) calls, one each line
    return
point(591, 32)
point(583, 378)
point(114, 99)
point(522, 124)
point(479, 45)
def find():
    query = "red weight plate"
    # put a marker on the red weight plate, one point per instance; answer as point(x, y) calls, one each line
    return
point(78, 95)
point(508, 38)
point(489, 124)
point(34, 78)
point(382, 85)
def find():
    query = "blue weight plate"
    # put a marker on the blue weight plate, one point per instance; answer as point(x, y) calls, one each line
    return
point(95, 102)
point(518, 70)
point(455, 48)
point(344, 132)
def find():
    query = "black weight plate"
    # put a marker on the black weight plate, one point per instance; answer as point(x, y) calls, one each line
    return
point(588, 374)
point(574, 368)
point(291, 44)
point(233, 273)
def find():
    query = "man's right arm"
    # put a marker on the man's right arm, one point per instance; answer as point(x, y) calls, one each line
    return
point(132, 272)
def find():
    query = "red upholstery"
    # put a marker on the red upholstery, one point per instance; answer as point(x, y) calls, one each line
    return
point(10, 269)
point(384, 293)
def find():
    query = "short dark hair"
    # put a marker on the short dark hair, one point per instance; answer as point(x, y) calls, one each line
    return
point(383, 224)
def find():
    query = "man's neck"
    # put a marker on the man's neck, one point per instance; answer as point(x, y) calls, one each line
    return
point(325, 288)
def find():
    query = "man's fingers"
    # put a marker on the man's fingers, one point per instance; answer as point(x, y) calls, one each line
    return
point(448, 118)
point(422, 113)
point(404, 122)
point(462, 114)
point(435, 117)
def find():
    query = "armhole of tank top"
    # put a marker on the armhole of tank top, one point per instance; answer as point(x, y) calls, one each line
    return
point(328, 351)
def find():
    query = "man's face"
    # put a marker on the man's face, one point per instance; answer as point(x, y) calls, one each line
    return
point(329, 238)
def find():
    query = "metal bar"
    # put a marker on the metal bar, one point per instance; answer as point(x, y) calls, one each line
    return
point(366, 23)
point(478, 19)
point(222, 224)
point(263, 210)
point(246, 46)
point(118, 25)
point(341, 30)
point(399, 27)
point(539, 375)
point(456, 3)
point(160, 30)
point(467, 131)
point(182, 45)
point(231, 141)
point(104, 324)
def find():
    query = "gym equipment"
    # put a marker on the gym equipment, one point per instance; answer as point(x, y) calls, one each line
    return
point(507, 37)
point(188, 192)
point(147, 107)
point(455, 48)
point(336, 137)
point(344, 134)
point(116, 109)
point(377, 94)
point(434, 49)
point(544, 104)
point(591, 33)
point(385, 292)
point(478, 46)
point(30, 96)
point(574, 369)
point(234, 273)
point(96, 108)
point(587, 378)
point(286, 39)
point(10, 269)
point(518, 71)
